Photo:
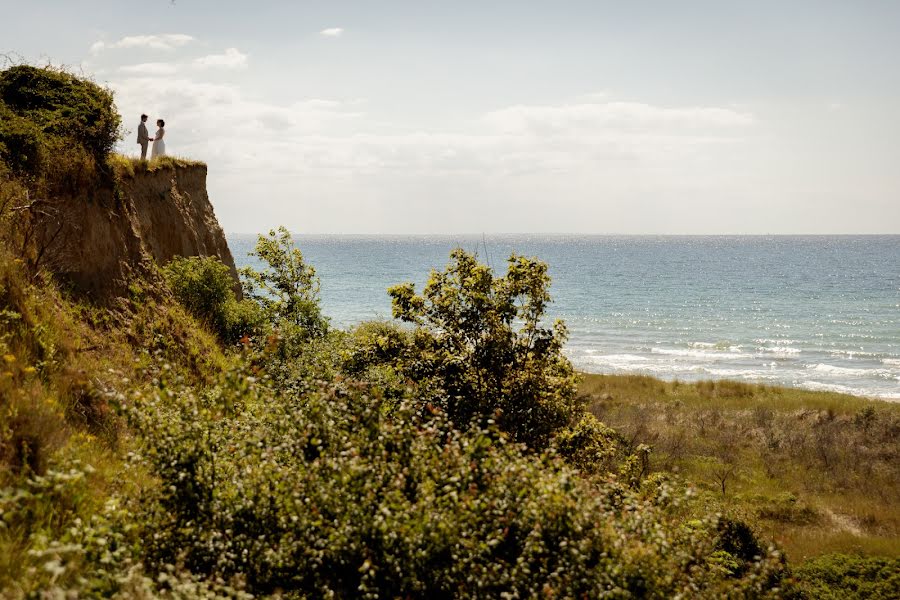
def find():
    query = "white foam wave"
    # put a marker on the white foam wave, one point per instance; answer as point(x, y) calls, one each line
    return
point(615, 359)
point(780, 350)
point(777, 342)
point(750, 374)
point(706, 355)
point(853, 372)
point(818, 386)
point(851, 354)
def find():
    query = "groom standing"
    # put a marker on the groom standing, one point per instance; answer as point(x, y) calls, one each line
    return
point(143, 137)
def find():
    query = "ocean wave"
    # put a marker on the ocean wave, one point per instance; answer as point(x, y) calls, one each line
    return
point(714, 346)
point(779, 350)
point(616, 358)
point(818, 386)
point(704, 354)
point(670, 369)
point(777, 341)
point(851, 354)
point(749, 374)
point(854, 372)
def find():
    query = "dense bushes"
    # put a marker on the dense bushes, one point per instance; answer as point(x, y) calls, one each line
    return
point(326, 493)
point(839, 576)
point(481, 349)
point(205, 287)
point(21, 142)
point(282, 299)
point(590, 445)
point(41, 106)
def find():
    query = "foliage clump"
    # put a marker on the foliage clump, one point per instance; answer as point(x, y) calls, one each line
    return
point(206, 288)
point(287, 290)
point(841, 576)
point(46, 111)
point(590, 445)
point(481, 349)
point(325, 494)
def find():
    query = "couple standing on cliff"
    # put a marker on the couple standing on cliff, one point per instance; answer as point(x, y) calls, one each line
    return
point(159, 146)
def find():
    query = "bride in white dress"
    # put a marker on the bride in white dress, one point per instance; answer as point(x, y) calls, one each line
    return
point(159, 146)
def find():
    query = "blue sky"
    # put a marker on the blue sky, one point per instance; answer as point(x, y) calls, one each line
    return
point(469, 117)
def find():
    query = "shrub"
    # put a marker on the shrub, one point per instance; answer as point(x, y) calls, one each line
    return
point(62, 105)
point(21, 143)
point(589, 445)
point(482, 349)
point(287, 289)
point(841, 576)
point(204, 286)
point(372, 352)
point(326, 494)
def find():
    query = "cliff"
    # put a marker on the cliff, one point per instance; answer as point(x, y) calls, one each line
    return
point(96, 241)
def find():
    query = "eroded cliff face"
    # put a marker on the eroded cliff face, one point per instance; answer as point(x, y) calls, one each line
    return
point(99, 241)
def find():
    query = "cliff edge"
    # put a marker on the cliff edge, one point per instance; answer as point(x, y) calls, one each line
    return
point(150, 212)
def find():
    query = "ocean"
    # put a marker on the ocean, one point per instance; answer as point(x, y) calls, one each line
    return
point(815, 312)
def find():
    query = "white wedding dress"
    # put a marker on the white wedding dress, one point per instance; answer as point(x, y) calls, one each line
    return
point(159, 145)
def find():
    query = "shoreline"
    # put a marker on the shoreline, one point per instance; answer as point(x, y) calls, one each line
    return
point(757, 384)
point(815, 472)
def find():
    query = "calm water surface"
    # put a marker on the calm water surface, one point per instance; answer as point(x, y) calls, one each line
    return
point(818, 312)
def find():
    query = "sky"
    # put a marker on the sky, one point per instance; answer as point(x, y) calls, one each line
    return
point(381, 116)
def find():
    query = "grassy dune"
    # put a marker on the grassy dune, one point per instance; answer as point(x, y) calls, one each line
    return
point(127, 166)
point(817, 472)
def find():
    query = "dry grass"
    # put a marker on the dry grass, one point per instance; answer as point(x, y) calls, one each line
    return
point(127, 166)
point(59, 361)
point(817, 472)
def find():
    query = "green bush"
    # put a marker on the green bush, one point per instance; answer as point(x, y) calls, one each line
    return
point(371, 353)
point(21, 143)
point(287, 289)
point(62, 105)
point(590, 445)
point(841, 577)
point(205, 287)
point(326, 494)
point(482, 350)
point(375, 342)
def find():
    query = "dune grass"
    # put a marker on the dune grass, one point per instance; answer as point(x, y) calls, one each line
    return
point(128, 166)
point(817, 472)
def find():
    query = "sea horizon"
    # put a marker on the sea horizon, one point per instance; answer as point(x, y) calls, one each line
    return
point(818, 312)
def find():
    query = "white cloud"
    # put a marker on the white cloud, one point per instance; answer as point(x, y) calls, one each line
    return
point(151, 68)
point(319, 137)
point(232, 58)
point(163, 41)
point(601, 117)
point(332, 32)
point(518, 154)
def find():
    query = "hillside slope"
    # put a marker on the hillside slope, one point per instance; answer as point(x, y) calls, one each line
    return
point(96, 240)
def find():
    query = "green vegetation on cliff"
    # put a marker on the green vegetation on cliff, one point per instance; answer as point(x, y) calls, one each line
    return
point(177, 441)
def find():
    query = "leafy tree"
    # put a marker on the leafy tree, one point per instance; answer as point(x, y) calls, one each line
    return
point(287, 290)
point(482, 350)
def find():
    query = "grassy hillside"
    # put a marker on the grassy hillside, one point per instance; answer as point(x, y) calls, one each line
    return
point(817, 472)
